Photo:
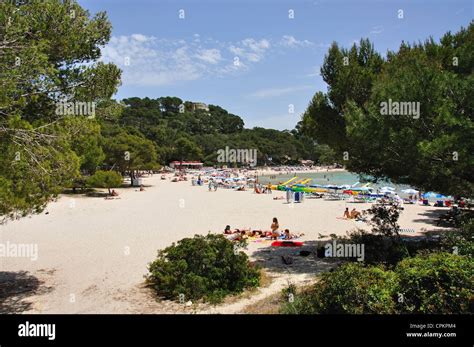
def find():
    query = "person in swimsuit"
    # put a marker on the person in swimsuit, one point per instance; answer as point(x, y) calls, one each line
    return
point(274, 227)
point(346, 213)
point(354, 214)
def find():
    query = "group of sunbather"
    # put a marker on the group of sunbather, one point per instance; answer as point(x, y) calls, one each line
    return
point(354, 214)
point(273, 234)
point(261, 189)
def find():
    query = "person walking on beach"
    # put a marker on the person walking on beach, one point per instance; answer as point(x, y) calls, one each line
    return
point(289, 195)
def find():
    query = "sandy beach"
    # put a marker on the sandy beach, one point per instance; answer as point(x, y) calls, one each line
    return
point(93, 253)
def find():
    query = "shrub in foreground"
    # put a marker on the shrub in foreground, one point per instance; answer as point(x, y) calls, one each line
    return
point(203, 267)
point(352, 288)
point(460, 240)
point(435, 283)
point(378, 249)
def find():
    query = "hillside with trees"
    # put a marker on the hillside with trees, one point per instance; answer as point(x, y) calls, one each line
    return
point(179, 132)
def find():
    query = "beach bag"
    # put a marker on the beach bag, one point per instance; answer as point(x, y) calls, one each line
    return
point(297, 197)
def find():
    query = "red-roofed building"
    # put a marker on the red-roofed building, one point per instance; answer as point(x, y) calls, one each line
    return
point(186, 165)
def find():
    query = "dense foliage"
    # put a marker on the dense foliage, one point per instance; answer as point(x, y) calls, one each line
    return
point(49, 55)
point(397, 275)
point(351, 289)
point(181, 132)
point(436, 283)
point(204, 267)
point(105, 179)
point(431, 149)
point(461, 239)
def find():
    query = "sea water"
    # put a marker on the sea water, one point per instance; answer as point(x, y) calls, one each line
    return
point(333, 178)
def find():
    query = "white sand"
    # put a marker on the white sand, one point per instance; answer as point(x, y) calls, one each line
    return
point(93, 253)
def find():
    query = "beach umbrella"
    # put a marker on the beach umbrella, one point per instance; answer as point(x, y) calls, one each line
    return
point(410, 191)
point(387, 188)
point(434, 195)
point(349, 192)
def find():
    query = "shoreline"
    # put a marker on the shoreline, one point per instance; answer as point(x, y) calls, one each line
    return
point(277, 173)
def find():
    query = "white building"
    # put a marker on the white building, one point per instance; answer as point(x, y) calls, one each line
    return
point(195, 106)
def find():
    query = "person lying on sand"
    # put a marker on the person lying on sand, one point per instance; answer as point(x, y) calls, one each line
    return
point(234, 237)
point(354, 214)
point(113, 195)
point(238, 235)
point(228, 231)
point(256, 233)
point(289, 236)
point(260, 233)
point(361, 217)
point(279, 198)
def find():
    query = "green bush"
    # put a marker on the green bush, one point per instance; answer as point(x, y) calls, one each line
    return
point(436, 283)
point(352, 288)
point(388, 251)
point(378, 249)
point(203, 267)
point(460, 241)
point(105, 179)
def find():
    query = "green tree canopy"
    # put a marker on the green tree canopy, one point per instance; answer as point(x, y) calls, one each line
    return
point(431, 150)
point(49, 53)
point(105, 179)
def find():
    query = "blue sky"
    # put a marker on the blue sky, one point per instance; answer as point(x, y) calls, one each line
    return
point(195, 58)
